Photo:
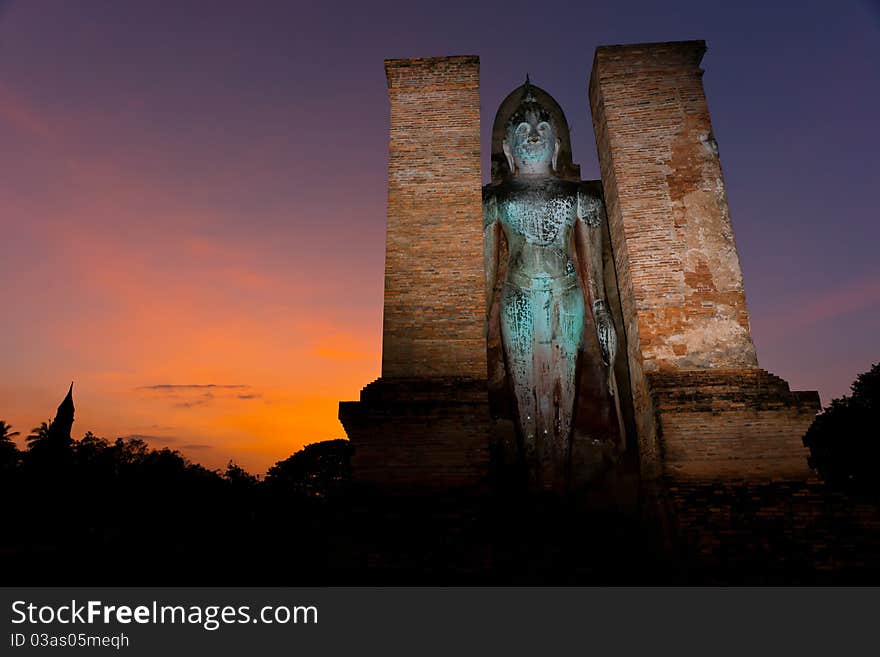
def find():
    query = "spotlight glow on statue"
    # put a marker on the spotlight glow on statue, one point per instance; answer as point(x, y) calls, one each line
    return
point(554, 270)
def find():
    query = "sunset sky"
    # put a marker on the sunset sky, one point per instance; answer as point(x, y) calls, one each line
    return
point(192, 194)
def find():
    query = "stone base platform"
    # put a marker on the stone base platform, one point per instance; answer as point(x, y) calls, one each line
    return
point(420, 432)
point(731, 424)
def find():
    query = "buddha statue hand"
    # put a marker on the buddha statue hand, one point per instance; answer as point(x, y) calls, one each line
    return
point(605, 331)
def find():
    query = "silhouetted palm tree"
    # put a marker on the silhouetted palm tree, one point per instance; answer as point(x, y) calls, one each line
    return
point(38, 437)
point(8, 448)
point(6, 432)
point(48, 448)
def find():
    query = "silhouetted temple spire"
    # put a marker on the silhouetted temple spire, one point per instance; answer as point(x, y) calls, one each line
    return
point(59, 431)
point(66, 404)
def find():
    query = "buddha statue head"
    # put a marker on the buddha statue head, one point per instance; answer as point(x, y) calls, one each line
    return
point(530, 137)
point(531, 145)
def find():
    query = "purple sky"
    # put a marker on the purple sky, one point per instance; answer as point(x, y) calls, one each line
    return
point(150, 149)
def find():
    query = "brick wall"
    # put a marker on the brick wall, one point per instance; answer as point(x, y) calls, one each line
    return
point(419, 433)
point(425, 422)
point(731, 424)
point(434, 303)
point(779, 531)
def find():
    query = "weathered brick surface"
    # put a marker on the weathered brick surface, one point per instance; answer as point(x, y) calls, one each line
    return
point(731, 423)
point(420, 433)
point(434, 303)
point(425, 423)
point(669, 213)
point(678, 270)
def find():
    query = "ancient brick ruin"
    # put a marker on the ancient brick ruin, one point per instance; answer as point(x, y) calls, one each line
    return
point(715, 474)
point(702, 405)
point(425, 422)
point(702, 408)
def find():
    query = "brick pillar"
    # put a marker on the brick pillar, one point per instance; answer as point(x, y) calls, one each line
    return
point(434, 301)
point(425, 422)
point(668, 207)
point(677, 265)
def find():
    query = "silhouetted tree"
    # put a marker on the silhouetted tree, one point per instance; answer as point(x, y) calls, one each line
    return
point(104, 505)
point(318, 470)
point(48, 451)
point(238, 476)
point(128, 453)
point(844, 440)
point(89, 448)
point(6, 432)
point(8, 448)
point(38, 437)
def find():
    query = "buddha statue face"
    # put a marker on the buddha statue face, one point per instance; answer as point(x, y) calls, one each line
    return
point(531, 146)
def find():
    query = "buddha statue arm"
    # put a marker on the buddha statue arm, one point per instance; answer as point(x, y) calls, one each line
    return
point(588, 242)
point(490, 247)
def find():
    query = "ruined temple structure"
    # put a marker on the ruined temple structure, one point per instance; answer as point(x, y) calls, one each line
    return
point(59, 430)
point(426, 421)
point(698, 406)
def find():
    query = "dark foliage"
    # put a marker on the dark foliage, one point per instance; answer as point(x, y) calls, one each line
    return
point(78, 511)
point(94, 512)
point(844, 440)
point(318, 470)
point(8, 450)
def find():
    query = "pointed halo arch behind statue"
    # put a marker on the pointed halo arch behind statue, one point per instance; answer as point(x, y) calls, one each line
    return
point(564, 167)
